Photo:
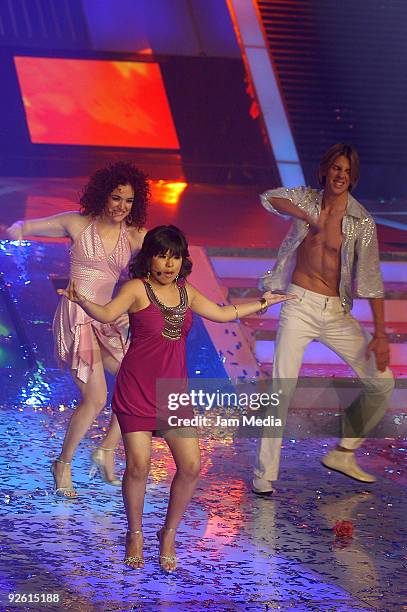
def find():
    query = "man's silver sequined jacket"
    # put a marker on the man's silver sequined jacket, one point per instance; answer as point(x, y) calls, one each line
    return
point(360, 267)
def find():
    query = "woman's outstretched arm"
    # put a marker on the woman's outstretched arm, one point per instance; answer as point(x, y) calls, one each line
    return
point(55, 226)
point(127, 295)
point(222, 314)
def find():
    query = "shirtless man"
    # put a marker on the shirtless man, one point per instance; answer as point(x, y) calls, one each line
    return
point(329, 255)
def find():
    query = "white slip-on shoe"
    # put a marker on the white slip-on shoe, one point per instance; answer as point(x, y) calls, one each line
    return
point(262, 488)
point(345, 462)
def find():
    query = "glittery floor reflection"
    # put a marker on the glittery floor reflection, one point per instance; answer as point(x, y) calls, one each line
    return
point(236, 551)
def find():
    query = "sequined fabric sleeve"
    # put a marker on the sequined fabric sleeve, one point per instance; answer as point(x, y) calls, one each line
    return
point(368, 277)
point(297, 195)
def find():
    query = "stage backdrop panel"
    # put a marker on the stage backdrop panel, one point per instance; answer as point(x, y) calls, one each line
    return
point(96, 102)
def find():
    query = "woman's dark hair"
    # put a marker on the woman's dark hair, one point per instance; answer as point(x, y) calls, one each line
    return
point(104, 181)
point(160, 241)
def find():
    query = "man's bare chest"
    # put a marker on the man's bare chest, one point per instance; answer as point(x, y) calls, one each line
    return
point(328, 238)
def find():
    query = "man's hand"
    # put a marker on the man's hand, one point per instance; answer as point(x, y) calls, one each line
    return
point(315, 223)
point(380, 348)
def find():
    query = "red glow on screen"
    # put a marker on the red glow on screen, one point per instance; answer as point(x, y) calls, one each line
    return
point(96, 102)
point(168, 192)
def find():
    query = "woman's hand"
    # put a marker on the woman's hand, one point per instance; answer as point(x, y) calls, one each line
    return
point(72, 294)
point(276, 298)
point(15, 231)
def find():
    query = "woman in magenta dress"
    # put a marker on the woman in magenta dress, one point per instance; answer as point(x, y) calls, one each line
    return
point(104, 235)
point(159, 302)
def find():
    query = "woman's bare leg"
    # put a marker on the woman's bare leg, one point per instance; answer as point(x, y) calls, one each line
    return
point(94, 393)
point(185, 450)
point(137, 446)
point(113, 434)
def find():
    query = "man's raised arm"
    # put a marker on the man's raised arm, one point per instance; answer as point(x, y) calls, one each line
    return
point(287, 203)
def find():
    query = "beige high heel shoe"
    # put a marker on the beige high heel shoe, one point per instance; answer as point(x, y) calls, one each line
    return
point(167, 562)
point(134, 561)
point(68, 492)
point(98, 460)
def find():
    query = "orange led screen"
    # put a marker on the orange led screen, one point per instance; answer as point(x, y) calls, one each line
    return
point(95, 102)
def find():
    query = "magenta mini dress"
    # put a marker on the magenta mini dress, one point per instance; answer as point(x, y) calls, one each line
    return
point(95, 275)
point(157, 351)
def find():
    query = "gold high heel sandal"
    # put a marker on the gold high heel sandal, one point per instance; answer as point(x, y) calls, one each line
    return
point(134, 561)
point(68, 492)
point(167, 562)
point(98, 460)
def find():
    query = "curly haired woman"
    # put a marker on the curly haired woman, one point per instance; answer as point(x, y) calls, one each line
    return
point(105, 233)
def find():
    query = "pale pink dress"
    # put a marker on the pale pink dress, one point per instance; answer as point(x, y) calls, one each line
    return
point(95, 276)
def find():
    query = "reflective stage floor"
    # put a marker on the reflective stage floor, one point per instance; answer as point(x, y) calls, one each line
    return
point(236, 551)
